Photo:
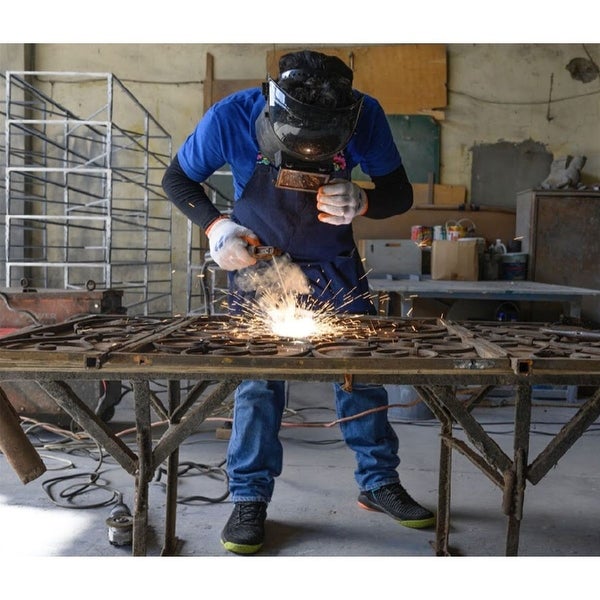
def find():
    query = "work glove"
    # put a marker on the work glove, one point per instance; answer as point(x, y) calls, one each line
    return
point(340, 201)
point(229, 243)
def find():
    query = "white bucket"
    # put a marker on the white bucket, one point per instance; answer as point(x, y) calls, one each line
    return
point(513, 266)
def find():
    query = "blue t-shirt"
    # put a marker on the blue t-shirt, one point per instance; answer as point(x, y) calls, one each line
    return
point(226, 135)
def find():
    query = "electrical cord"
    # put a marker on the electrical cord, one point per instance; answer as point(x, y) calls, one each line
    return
point(74, 485)
point(186, 468)
point(92, 483)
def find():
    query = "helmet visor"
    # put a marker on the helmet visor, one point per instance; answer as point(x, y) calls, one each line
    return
point(308, 131)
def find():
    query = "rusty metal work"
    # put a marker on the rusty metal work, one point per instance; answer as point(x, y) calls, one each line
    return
point(433, 342)
point(525, 340)
point(434, 355)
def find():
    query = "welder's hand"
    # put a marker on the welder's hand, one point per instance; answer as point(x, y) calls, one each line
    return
point(229, 243)
point(340, 201)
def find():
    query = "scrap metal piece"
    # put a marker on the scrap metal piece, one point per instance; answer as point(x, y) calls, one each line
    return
point(15, 445)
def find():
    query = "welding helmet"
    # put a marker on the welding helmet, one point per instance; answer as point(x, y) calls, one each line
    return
point(309, 132)
point(300, 139)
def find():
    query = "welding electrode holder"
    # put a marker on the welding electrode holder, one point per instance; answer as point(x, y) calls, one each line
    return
point(260, 251)
point(264, 252)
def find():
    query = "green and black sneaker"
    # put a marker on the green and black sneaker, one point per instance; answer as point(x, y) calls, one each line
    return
point(244, 532)
point(394, 500)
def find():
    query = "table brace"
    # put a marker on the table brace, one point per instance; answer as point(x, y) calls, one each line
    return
point(185, 420)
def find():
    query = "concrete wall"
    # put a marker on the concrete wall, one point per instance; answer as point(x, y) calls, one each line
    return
point(497, 93)
point(501, 92)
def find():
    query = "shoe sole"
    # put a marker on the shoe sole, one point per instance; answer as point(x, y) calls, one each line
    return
point(412, 523)
point(241, 548)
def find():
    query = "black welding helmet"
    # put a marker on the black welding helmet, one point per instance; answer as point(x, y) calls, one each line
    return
point(309, 132)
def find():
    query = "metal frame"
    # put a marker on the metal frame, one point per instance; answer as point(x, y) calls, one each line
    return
point(84, 204)
point(436, 379)
point(508, 291)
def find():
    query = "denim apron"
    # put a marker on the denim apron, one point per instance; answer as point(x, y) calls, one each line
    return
point(328, 256)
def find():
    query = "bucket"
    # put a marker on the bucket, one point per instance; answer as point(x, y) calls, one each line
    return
point(459, 229)
point(513, 266)
point(454, 230)
point(406, 394)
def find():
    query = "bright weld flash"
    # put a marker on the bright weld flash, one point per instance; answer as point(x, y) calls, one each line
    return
point(289, 317)
point(293, 322)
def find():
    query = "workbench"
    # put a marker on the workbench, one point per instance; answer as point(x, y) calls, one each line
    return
point(216, 353)
point(506, 291)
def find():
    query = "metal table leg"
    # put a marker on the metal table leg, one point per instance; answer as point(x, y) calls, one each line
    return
point(171, 541)
point(143, 475)
point(442, 526)
point(516, 491)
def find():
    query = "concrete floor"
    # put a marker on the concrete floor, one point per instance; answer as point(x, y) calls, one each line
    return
point(314, 511)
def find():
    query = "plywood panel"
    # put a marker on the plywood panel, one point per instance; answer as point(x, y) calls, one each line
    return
point(452, 196)
point(405, 78)
point(217, 89)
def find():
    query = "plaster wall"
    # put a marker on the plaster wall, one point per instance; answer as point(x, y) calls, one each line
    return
point(517, 92)
point(497, 92)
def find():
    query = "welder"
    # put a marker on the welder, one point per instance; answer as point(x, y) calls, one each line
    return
point(292, 146)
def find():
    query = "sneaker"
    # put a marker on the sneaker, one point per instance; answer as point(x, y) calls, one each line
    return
point(394, 500)
point(244, 532)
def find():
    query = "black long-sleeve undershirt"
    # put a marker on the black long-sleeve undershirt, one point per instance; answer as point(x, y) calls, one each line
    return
point(392, 195)
point(188, 196)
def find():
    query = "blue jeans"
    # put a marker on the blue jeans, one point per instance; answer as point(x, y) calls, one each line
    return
point(255, 454)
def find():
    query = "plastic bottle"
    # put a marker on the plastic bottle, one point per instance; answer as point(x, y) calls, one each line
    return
point(499, 247)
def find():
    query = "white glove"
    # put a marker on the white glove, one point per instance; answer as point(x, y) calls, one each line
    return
point(340, 201)
point(228, 244)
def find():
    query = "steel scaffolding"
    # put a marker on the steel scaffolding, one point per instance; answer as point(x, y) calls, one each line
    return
point(83, 203)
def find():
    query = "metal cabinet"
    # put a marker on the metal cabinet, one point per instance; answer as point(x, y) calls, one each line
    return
point(560, 230)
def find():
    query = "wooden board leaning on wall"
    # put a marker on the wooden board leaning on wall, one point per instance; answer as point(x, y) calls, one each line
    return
point(405, 78)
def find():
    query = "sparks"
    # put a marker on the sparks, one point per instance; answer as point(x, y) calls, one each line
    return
point(291, 316)
point(282, 306)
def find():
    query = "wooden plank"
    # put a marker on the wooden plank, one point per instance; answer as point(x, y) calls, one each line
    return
point(405, 78)
point(224, 87)
point(217, 89)
point(443, 195)
point(207, 84)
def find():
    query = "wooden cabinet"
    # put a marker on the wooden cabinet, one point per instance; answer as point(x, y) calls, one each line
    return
point(560, 231)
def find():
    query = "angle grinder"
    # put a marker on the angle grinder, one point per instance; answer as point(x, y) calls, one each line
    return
point(120, 526)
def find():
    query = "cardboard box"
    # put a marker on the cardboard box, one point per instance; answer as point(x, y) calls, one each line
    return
point(391, 257)
point(454, 260)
